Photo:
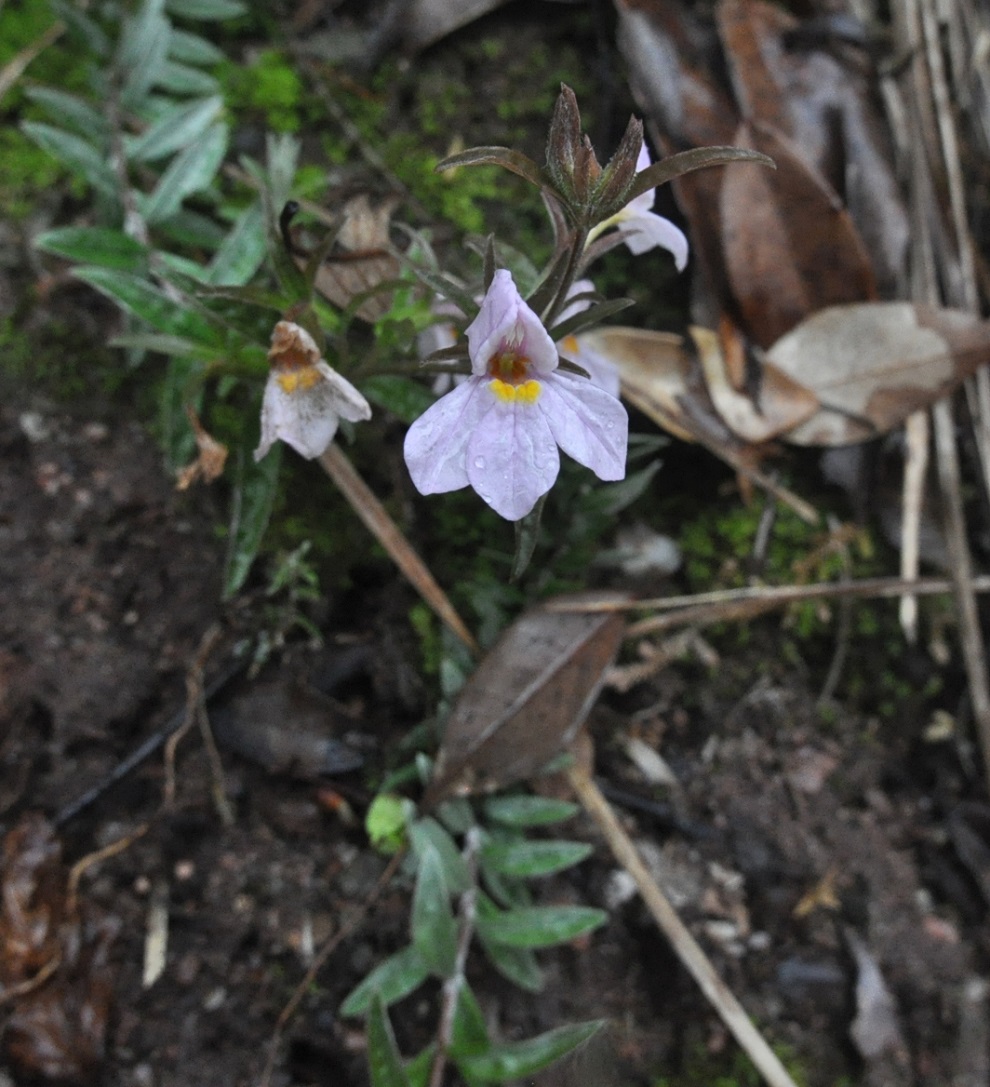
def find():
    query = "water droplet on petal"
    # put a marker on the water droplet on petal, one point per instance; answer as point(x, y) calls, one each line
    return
point(479, 462)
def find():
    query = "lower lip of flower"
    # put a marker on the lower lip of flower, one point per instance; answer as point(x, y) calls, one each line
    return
point(300, 380)
point(526, 393)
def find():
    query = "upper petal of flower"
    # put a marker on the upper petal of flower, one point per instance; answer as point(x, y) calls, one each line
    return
point(505, 321)
point(512, 459)
point(587, 423)
point(436, 444)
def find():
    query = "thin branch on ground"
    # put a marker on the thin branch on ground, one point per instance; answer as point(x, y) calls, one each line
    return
point(694, 959)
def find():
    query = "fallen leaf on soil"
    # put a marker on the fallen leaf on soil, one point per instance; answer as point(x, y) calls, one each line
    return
point(527, 699)
point(783, 403)
point(361, 260)
point(53, 963)
point(789, 246)
point(872, 365)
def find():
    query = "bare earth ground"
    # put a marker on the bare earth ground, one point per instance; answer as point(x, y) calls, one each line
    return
point(109, 585)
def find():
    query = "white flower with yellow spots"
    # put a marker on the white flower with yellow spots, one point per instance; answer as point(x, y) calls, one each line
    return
point(499, 431)
point(305, 399)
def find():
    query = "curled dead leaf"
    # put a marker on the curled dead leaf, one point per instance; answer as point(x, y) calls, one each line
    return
point(54, 968)
point(527, 698)
point(211, 458)
point(871, 365)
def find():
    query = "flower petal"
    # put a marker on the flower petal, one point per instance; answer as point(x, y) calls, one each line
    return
point(306, 419)
point(436, 444)
point(504, 318)
point(349, 404)
point(647, 230)
point(512, 460)
point(587, 423)
point(601, 370)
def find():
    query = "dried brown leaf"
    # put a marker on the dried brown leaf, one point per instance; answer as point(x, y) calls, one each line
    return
point(873, 364)
point(789, 246)
point(53, 963)
point(783, 402)
point(526, 700)
point(361, 259)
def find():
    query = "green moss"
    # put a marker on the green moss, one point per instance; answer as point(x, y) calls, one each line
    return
point(271, 87)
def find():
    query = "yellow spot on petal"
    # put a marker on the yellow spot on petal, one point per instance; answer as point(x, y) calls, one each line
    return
point(526, 393)
point(294, 381)
point(570, 345)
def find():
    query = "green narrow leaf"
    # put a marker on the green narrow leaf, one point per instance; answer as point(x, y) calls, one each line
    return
point(540, 926)
point(527, 533)
point(525, 859)
point(529, 811)
point(505, 157)
point(384, 1058)
point(515, 1060)
point(254, 497)
point(434, 930)
point(72, 112)
point(75, 153)
point(593, 315)
point(182, 386)
point(191, 171)
point(179, 78)
point(517, 964)
point(175, 129)
point(427, 832)
point(138, 296)
point(192, 49)
point(470, 1033)
point(243, 250)
point(419, 1068)
point(82, 27)
point(95, 245)
point(402, 396)
point(142, 52)
point(698, 158)
point(396, 977)
point(206, 9)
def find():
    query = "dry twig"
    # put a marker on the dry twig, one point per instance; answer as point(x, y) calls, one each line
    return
point(684, 944)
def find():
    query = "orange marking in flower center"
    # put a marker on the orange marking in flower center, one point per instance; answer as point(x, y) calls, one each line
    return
point(508, 366)
point(526, 393)
point(298, 380)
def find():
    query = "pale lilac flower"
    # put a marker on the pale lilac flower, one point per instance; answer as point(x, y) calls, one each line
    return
point(499, 431)
point(602, 371)
point(304, 398)
point(642, 228)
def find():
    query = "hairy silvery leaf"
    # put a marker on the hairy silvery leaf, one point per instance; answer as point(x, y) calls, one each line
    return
point(526, 700)
point(398, 976)
point(540, 926)
point(434, 930)
point(516, 1060)
point(514, 161)
point(191, 171)
point(685, 162)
